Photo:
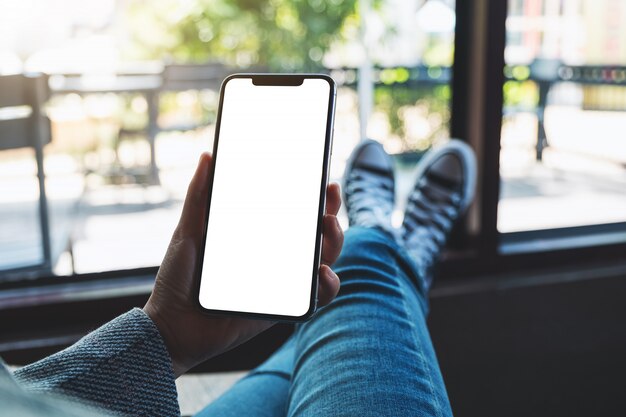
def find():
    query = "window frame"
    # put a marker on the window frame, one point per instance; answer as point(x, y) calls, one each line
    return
point(480, 41)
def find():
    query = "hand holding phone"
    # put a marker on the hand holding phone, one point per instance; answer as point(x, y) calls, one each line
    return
point(272, 147)
point(190, 336)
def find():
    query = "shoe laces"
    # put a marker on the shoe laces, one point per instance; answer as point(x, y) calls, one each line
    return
point(369, 193)
point(429, 218)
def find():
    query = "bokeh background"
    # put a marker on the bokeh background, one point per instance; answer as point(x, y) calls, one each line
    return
point(133, 88)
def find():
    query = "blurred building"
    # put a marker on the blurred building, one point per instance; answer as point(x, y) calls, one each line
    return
point(575, 31)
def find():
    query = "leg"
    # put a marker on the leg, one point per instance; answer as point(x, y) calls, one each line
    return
point(261, 393)
point(369, 352)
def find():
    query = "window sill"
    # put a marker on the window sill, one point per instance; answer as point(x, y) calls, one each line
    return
point(562, 239)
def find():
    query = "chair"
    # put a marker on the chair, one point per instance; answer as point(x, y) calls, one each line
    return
point(175, 78)
point(187, 77)
point(181, 77)
point(24, 124)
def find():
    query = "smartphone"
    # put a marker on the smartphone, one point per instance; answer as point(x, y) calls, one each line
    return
point(262, 242)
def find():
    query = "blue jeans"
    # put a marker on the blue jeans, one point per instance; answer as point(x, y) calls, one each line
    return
point(368, 353)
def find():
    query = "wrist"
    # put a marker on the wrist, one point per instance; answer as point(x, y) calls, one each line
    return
point(169, 339)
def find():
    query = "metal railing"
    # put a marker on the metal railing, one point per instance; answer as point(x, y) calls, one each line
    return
point(546, 74)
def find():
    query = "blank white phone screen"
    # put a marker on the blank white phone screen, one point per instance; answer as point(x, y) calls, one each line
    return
point(262, 225)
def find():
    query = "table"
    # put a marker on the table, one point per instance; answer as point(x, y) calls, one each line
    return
point(147, 84)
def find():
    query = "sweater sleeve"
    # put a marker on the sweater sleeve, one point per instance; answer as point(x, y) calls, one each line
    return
point(122, 367)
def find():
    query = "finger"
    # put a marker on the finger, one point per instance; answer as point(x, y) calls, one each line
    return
point(332, 239)
point(194, 208)
point(333, 198)
point(329, 285)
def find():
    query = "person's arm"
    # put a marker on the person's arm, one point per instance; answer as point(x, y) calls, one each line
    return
point(123, 367)
point(129, 365)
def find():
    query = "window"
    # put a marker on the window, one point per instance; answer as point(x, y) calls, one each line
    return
point(128, 120)
point(562, 154)
point(131, 101)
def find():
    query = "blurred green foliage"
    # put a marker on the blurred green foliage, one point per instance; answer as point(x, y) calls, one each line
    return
point(277, 34)
point(434, 100)
point(519, 91)
point(282, 35)
point(523, 94)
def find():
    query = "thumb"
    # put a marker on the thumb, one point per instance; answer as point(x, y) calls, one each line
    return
point(195, 206)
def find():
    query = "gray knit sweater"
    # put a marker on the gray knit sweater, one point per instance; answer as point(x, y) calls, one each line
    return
point(122, 368)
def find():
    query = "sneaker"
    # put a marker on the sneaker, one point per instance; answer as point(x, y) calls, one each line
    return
point(443, 191)
point(369, 187)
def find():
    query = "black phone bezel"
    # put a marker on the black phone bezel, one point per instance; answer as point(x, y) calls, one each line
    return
point(261, 79)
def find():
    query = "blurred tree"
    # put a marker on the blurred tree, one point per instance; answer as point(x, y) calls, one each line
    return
point(283, 35)
point(431, 104)
point(277, 34)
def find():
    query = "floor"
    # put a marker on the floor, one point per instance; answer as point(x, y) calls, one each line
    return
point(197, 390)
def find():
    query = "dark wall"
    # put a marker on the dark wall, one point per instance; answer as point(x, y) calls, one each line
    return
point(544, 350)
point(550, 346)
